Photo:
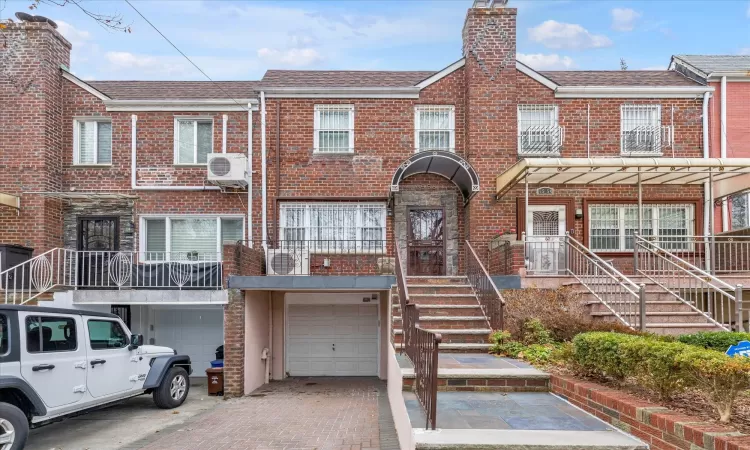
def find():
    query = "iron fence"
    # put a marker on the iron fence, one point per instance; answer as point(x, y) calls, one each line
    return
point(489, 297)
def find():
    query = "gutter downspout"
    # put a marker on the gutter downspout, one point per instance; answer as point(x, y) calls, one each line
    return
point(224, 119)
point(723, 130)
point(250, 175)
point(707, 207)
point(264, 193)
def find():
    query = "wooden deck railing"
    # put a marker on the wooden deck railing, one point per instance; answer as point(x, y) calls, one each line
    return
point(420, 346)
point(489, 297)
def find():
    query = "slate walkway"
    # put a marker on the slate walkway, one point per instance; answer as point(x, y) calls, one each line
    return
point(299, 413)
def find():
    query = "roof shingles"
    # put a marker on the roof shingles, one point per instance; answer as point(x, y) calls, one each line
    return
point(717, 63)
point(342, 78)
point(619, 78)
point(178, 90)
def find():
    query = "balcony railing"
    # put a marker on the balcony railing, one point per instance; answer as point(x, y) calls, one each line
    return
point(646, 140)
point(541, 140)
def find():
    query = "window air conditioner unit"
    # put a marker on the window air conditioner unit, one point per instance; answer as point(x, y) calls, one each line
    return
point(227, 169)
point(287, 261)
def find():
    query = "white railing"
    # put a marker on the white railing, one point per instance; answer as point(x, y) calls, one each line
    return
point(72, 269)
point(646, 140)
point(718, 301)
point(541, 140)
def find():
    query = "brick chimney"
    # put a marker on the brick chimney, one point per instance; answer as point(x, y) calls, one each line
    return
point(30, 144)
point(489, 46)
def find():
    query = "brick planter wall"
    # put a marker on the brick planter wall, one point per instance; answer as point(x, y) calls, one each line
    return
point(657, 426)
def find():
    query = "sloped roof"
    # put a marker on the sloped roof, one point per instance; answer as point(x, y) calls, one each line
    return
point(717, 63)
point(640, 78)
point(157, 90)
point(342, 78)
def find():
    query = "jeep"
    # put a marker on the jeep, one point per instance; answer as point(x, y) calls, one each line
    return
point(56, 363)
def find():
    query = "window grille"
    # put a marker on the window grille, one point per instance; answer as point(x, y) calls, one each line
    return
point(334, 129)
point(545, 223)
point(641, 130)
point(611, 227)
point(434, 128)
point(539, 132)
point(332, 226)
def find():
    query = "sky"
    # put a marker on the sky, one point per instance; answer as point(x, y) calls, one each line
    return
point(240, 40)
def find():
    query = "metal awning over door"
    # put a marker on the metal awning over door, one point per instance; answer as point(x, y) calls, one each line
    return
point(446, 164)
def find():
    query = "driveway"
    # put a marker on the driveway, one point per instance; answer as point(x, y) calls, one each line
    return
point(299, 413)
point(127, 425)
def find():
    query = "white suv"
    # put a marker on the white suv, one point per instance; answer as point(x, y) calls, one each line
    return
point(61, 362)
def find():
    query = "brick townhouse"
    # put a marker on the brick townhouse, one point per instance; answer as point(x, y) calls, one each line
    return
point(344, 177)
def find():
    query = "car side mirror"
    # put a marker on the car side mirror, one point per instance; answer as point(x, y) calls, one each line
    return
point(136, 340)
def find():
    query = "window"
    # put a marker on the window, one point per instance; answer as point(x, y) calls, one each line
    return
point(106, 334)
point(334, 226)
point(189, 238)
point(740, 211)
point(50, 334)
point(611, 227)
point(641, 129)
point(434, 128)
point(193, 140)
point(92, 142)
point(334, 129)
point(4, 336)
point(539, 133)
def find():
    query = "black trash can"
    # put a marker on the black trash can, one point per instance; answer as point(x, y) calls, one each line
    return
point(220, 352)
point(10, 256)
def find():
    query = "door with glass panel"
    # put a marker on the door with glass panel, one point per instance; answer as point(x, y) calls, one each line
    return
point(98, 242)
point(545, 234)
point(426, 242)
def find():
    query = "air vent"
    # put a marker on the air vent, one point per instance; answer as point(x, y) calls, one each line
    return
point(227, 169)
point(220, 166)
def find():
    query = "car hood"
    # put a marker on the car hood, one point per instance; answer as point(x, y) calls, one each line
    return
point(155, 350)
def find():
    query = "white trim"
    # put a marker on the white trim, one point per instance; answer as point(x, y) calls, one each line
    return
point(451, 124)
point(316, 128)
point(198, 105)
point(342, 92)
point(83, 85)
point(143, 230)
point(195, 120)
point(526, 70)
point(631, 92)
point(442, 74)
point(224, 120)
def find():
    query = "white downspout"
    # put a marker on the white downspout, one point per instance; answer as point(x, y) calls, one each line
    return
point(723, 130)
point(224, 119)
point(133, 143)
point(264, 226)
point(707, 209)
point(250, 174)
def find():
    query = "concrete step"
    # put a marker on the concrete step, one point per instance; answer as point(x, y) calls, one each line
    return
point(506, 380)
point(454, 336)
point(435, 280)
point(447, 322)
point(651, 306)
point(456, 348)
point(657, 317)
point(445, 310)
point(444, 299)
point(680, 328)
point(439, 289)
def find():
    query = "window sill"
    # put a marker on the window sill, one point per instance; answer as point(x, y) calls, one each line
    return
point(539, 155)
point(641, 154)
point(87, 166)
point(319, 153)
point(422, 150)
point(188, 165)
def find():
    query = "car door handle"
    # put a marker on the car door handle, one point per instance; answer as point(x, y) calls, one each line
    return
point(94, 362)
point(43, 367)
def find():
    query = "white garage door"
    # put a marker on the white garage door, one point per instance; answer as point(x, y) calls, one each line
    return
point(192, 332)
point(332, 340)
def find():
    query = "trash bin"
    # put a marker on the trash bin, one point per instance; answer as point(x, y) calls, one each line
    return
point(215, 380)
point(220, 352)
point(13, 255)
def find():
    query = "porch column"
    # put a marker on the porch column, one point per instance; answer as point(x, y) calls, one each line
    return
point(639, 218)
point(712, 253)
point(526, 218)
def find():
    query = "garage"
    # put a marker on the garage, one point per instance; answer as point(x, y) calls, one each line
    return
point(195, 332)
point(338, 339)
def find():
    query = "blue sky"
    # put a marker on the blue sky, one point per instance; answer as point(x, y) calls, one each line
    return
point(241, 39)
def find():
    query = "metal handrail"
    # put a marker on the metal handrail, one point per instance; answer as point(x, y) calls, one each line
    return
point(27, 281)
point(618, 293)
point(693, 286)
point(489, 297)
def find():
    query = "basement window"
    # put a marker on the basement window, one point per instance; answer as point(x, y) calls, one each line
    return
point(92, 141)
point(193, 140)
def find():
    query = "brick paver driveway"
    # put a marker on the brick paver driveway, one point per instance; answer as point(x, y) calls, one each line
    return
point(300, 413)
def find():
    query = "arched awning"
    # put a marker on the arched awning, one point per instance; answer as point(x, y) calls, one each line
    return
point(446, 164)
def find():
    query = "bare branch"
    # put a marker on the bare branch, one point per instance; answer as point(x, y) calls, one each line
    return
point(110, 22)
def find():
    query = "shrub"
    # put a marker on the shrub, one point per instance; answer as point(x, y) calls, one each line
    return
point(722, 377)
point(656, 365)
point(561, 311)
point(534, 332)
point(539, 354)
point(503, 344)
point(714, 340)
point(599, 354)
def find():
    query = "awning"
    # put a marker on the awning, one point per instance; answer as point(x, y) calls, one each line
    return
point(623, 171)
point(12, 201)
point(446, 164)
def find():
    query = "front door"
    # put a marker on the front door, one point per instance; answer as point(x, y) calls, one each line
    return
point(545, 234)
point(97, 239)
point(426, 242)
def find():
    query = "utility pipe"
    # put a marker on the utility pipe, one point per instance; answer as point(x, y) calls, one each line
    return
point(588, 130)
point(224, 119)
point(250, 174)
point(723, 128)
point(707, 207)
point(264, 193)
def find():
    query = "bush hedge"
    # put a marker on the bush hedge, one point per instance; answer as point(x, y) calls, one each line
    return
point(666, 367)
point(714, 340)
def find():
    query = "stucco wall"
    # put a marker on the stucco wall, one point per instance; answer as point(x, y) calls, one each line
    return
point(256, 338)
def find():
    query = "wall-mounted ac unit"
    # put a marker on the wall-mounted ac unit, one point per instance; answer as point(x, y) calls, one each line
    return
point(227, 169)
point(287, 261)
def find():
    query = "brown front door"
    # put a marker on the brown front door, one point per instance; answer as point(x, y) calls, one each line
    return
point(426, 242)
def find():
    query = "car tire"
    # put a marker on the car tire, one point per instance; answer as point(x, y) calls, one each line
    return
point(13, 420)
point(173, 390)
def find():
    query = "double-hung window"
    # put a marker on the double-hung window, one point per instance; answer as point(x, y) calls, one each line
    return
point(92, 141)
point(612, 226)
point(333, 226)
point(434, 128)
point(188, 238)
point(334, 129)
point(193, 140)
point(641, 130)
point(539, 132)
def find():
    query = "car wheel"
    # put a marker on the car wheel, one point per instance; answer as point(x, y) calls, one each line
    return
point(173, 390)
point(14, 427)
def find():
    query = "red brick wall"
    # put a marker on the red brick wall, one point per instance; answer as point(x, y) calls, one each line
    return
point(657, 426)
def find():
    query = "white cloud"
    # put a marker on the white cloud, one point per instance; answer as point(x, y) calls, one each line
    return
point(145, 66)
point(539, 61)
point(623, 19)
point(76, 37)
point(295, 57)
point(744, 51)
point(557, 35)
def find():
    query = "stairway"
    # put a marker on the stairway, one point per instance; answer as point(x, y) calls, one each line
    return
point(447, 305)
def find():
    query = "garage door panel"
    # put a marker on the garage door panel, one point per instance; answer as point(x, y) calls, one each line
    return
point(313, 331)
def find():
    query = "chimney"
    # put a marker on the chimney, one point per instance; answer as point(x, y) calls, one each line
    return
point(489, 47)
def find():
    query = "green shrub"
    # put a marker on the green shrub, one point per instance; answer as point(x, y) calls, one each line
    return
point(503, 344)
point(598, 353)
point(539, 354)
point(722, 377)
point(656, 364)
point(714, 340)
point(534, 332)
